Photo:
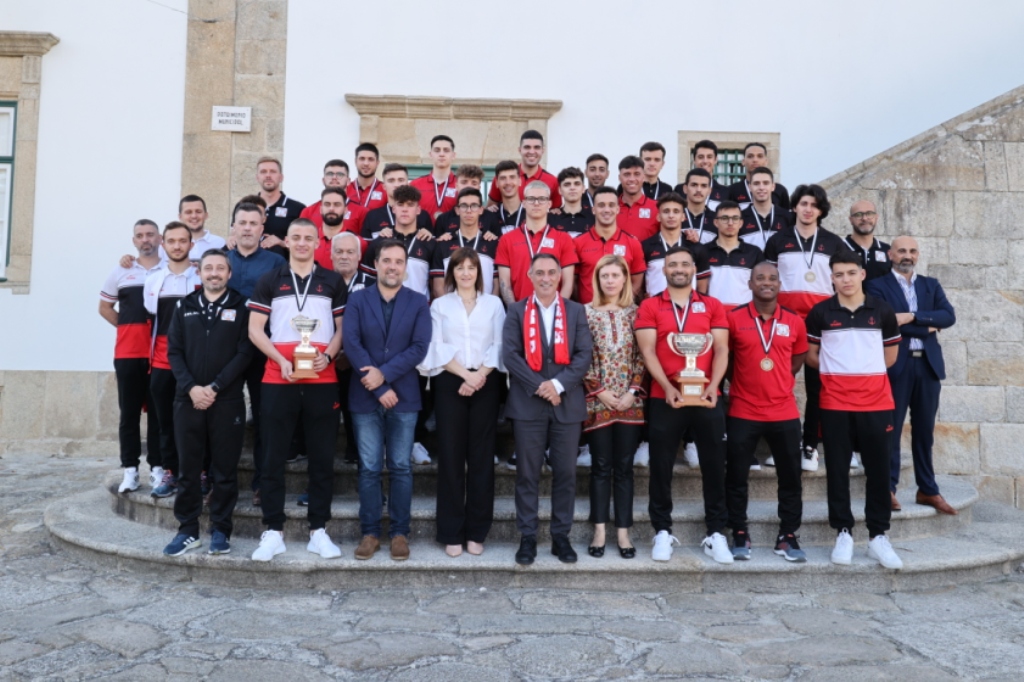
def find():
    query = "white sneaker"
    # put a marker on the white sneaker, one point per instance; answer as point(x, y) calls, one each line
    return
point(770, 462)
point(755, 466)
point(320, 543)
point(717, 547)
point(420, 454)
point(496, 459)
point(642, 458)
point(130, 481)
point(663, 543)
point(271, 544)
point(881, 551)
point(842, 553)
point(583, 459)
point(809, 461)
point(690, 453)
point(855, 460)
point(156, 476)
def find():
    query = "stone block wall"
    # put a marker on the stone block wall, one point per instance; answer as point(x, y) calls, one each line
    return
point(959, 189)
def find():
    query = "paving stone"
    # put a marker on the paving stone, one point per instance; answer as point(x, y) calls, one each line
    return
point(64, 662)
point(945, 605)
point(960, 647)
point(14, 650)
point(644, 630)
point(187, 666)
point(890, 673)
point(704, 619)
point(820, 622)
point(468, 601)
point(247, 671)
point(249, 624)
point(488, 624)
point(146, 671)
point(744, 634)
point(291, 603)
point(825, 650)
point(588, 604)
point(769, 672)
point(451, 672)
point(388, 601)
point(560, 656)
point(481, 643)
point(693, 657)
point(707, 602)
point(384, 651)
point(416, 622)
point(860, 602)
point(55, 613)
point(125, 638)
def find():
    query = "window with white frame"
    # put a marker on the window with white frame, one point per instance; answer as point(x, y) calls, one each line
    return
point(7, 114)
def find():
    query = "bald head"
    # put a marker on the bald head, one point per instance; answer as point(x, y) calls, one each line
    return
point(904, 254)
point(863, 217)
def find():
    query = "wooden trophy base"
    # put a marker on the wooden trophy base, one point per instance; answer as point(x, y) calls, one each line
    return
point(302, 365)
point(692, 389)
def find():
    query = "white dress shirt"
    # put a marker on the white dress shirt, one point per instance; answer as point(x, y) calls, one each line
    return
point(472, 339)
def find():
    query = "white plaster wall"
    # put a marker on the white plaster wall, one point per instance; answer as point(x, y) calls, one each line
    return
point(840, 80)
point(110, 126)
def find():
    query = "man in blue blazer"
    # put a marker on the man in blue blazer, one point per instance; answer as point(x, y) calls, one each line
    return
point(385, 334)
point(922, 309)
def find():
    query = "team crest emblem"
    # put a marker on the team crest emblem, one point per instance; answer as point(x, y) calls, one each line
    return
point(782, 330)
point(227, 315)
point(698, 307)
point(645, 212)
point(619, 250)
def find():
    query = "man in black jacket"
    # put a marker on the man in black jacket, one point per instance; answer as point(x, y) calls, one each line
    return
point(209, 349)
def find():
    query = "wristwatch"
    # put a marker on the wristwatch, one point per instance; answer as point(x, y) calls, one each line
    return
point(214, 387)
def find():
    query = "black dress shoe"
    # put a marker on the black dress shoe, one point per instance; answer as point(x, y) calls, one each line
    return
point(561, 548)
point(627, 552)
point(527, 550)
point(596, 552)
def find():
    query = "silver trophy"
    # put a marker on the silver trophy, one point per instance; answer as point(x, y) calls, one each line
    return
point(691, 380)
point(305, 354)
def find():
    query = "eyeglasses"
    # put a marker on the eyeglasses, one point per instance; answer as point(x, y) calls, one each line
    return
point(729, 219)
point(332, 174)
point(863, 214)
point(536, 200)
point(469, 207)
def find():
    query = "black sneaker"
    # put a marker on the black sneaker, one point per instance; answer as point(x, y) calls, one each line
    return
point(741, 545)
point(511, 463)
point(787, 547)
point(303, 500)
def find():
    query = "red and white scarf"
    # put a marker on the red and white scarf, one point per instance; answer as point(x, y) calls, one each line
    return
point(532, 331)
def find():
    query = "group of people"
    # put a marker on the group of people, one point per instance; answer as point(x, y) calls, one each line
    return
point(555, 299)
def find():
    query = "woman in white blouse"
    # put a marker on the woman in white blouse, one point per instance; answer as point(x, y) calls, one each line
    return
point(465, 349)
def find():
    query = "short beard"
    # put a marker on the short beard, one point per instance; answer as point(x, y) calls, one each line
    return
point(904, 267)
point(862, 231)
point(333, 219)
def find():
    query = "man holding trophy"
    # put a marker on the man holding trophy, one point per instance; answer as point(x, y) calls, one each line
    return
point(304, 304)
point(684, 337)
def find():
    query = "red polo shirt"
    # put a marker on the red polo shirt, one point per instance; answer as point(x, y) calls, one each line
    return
point(640, 219)
point(322, 255)
point(755, 393)
point(430, 192)
point(353, 222)
point(372, 197)
point(547, 178)
point(658, 313)
point(515, 253)
point(591, 247)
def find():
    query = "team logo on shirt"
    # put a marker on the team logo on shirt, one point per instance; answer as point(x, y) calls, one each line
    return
point(871, 321)
point(450, 193)
point(547, 243)
point(375, 195)
point(619, 250)
point(697, 307)
point(319, 288)
point(281, 212)
point(782, 329)
point(227, 315)
point(644, 212)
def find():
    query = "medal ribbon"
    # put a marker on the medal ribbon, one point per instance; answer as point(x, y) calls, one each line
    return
point(681, 321)
point(800, 244)
point(301, 301)
point(529, 240)
point(369, 193)
point(766, 345)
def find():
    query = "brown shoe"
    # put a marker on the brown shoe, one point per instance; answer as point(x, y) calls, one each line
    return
point(895, 503)
point(399, 548)
point(936, 501)
point(257, 499)
point(368, 547)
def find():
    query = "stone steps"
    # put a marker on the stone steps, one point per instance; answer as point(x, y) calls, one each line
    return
point(988, 547)
point(914, 522)
point(686, 481)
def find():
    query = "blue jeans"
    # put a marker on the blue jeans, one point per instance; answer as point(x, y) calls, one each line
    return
point(375, 430)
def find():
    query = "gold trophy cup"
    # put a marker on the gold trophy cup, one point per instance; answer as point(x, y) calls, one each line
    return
point(305, 354)
point(691, 380)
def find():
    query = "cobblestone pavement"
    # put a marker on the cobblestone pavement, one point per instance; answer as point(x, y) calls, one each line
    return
point(61, 619)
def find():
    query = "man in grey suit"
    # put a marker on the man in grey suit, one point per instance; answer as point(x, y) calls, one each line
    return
point(547, 349)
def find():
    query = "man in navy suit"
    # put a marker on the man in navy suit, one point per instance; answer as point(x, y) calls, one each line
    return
point(386, 333)
point(922, 309)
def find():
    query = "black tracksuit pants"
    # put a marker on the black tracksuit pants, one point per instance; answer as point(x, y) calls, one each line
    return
point(218, 430)
point(666, 427)
point(315, 407)
point(874, 439)
point(133, 393)
point(783, 438)
point(162, 387)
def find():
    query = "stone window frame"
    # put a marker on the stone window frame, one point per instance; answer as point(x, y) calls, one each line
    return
point(726, 140)
point(526, 113)
point(30, 47)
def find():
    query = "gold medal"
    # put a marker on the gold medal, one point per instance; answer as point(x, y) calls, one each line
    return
point(810, 276)
point(767, 364)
